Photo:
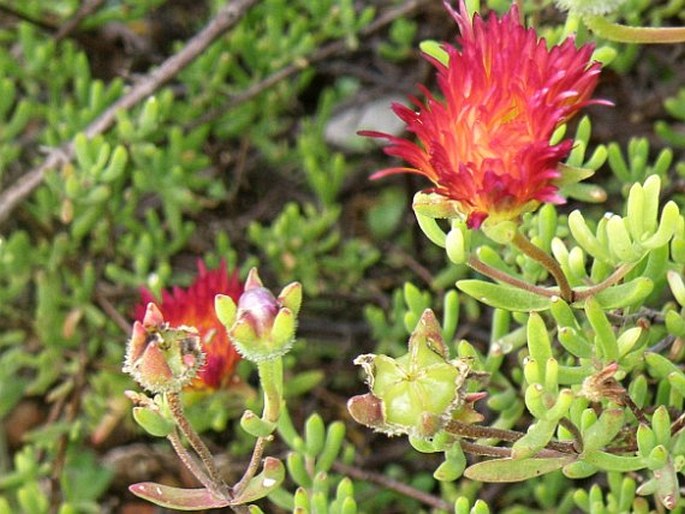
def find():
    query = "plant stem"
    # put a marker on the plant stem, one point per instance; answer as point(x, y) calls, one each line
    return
point(611, 280)
point(478, 432)
point(501, 276)
point(496, 451)
point(252, 467)
point(271, 380)
point(627, 34)
point(577, 436)
point(189, 461)
point(524, 244)
point(176, 409)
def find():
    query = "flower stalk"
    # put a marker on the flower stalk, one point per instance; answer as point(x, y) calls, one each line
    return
point(527, 247)
point(627, 34)
point(217, 483)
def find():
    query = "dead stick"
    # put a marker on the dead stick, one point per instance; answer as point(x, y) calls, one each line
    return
point(225, 19)
point(390, 483)
point(87, 8)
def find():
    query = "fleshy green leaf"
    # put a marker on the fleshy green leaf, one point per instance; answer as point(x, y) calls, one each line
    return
point(510, 470)
point(504, 296)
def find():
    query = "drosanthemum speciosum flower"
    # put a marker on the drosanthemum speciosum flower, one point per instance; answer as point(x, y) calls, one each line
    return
point(485, 144)
point(194, 307)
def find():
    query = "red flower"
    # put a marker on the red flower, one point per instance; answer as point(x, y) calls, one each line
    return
point(485, 144)
point(194, 307)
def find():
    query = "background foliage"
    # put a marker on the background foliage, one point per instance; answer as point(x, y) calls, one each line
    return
point(243, 157)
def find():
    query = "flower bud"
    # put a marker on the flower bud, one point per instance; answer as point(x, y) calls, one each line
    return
point(261, 326)
point(415, 394)
point(162, 358)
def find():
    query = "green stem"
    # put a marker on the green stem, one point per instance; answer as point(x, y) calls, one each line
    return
point(627, 34)
point(271, 380)
point(538, 254)
point(501, 276)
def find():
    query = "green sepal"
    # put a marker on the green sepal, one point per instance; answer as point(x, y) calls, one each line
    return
point(283, 331)
point(291, 297)
point(225, 309)
point(504, 296)
point(510, 470)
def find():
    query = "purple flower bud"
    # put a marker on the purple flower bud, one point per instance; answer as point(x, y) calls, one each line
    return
point(260, 307)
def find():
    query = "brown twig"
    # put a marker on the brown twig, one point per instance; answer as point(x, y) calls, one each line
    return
point(87, 8)
point(501, 276)
point(395, 485)
point(10, 11)
point(113, 313)
point(611, 280)
point(470, 431)
point(300, 64)
point(225, 19)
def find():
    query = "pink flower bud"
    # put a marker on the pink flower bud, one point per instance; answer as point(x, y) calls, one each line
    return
point(162, 358)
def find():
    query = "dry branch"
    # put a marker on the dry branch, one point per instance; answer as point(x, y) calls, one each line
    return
point(225, 19)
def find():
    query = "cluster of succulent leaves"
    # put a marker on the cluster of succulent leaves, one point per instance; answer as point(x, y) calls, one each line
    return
point(169, 182)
